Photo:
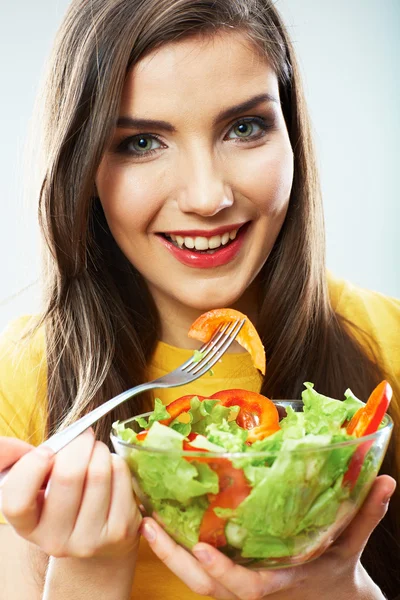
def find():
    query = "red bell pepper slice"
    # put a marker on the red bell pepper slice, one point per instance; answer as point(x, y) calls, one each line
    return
point(257, 413)
point(368, 418)
point(364, 422)
point(179, 406)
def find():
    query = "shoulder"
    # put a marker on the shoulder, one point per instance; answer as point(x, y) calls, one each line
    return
point(366, 308)
point(372, 313)
point(23, 377)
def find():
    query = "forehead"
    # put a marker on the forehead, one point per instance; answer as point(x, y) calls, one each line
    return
point(204, 73)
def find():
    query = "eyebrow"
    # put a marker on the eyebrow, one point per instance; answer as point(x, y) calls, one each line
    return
point(235, 111)
point(127, 122)
point(132, 123)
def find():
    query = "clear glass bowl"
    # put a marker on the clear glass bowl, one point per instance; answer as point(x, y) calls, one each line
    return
point(292, 520)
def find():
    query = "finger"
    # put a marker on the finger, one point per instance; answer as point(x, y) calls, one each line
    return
point(64, 493)
point(20, 489)
point(244, 583)
point(182, 563)
point(353, 540)
point(123, 510)
point(96, 496)
point(11, 450)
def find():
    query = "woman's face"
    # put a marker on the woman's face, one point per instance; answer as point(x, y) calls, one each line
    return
point(196, 182)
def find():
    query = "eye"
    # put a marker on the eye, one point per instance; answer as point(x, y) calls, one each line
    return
point(247, 129)
point(140, 145)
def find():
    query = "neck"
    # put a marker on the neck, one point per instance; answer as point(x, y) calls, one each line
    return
point(176, 318)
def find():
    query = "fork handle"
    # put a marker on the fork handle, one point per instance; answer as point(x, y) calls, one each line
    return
point(61, 439)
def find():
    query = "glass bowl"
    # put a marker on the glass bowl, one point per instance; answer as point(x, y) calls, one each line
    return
point(296, 504)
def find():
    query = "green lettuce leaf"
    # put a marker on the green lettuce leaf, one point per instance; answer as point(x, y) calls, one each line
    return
point(227, 434)
point(159, 413)
point(127, 435)
point(325, 415)
point(169, 476)
point(266, 546)
point(202, 443)
point(183, 522)
point(286, 491)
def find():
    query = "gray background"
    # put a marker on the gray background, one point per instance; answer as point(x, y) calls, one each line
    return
point(349, 54)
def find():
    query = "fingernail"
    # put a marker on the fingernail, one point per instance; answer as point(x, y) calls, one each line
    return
point(148, 532)
point(203, 556)
point(386, 500)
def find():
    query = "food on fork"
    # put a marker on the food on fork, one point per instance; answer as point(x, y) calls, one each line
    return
point(205, 326)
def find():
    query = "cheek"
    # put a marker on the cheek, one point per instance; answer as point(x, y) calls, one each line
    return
point(130, 200)
point(266, 179)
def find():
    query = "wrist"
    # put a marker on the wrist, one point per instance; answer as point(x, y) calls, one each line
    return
point(81, 578)
point(102, 564)
point(356, 586)
point(365, 586)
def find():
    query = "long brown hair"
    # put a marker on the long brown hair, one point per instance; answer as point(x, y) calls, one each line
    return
point(100, 320)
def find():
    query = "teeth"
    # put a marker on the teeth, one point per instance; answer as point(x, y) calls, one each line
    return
point(203, 243)
point(225, 239)
point(214, 242)
point(189, 242)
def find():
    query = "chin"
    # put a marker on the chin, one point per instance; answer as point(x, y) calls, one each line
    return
point(207, 299)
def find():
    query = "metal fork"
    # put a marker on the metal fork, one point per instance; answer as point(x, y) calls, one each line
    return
point(190, 370)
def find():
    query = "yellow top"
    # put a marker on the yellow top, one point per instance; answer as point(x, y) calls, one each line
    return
point(23, 394)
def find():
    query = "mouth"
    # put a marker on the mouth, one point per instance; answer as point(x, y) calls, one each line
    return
point(207, 243)
point(204, 250)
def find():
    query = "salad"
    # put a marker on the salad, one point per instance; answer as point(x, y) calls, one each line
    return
point(233, 471)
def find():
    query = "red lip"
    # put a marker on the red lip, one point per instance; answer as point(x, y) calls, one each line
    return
point(205, 233)
point(207, 261)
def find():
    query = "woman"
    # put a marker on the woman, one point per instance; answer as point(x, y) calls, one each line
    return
point(170, 124)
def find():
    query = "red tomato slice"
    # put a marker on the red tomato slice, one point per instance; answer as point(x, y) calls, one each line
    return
point(233, 489)
point(257, 413)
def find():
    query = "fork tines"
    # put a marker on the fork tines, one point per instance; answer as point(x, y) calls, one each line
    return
point(216, 346)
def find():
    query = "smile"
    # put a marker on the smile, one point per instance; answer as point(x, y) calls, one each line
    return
point(203, 243)
point(204, 249)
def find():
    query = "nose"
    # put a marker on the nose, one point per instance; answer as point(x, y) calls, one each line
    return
point(203, 190)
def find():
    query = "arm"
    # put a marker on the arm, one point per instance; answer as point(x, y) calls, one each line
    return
point(18, 556)
point(81, 579)
point(89, 578)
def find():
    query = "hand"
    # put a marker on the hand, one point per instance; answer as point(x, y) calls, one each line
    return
point(88, 509)
point(338, 570)
point(11, 449)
